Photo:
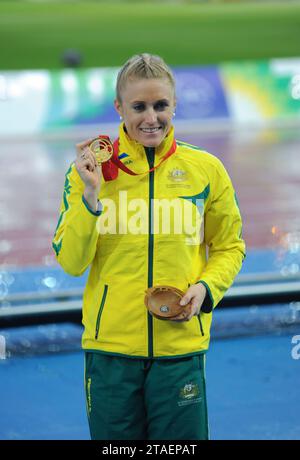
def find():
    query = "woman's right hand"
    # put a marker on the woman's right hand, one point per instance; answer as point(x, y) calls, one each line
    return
point(89, 171)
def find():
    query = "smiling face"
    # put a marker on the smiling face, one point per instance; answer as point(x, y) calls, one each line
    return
point(147, 106)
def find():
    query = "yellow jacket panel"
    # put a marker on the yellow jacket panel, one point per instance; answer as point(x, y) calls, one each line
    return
point(178, 225)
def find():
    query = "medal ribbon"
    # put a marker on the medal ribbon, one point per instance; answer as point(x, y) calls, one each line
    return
point(115, 159)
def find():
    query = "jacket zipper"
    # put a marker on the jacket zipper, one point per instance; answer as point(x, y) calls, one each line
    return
point(150, 152)
point(200, 324)
point(101, 310)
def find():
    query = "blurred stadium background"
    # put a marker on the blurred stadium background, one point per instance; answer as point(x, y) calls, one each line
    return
point(237, 66)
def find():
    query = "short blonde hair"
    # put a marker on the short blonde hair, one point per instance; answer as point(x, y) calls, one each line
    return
point(143, 66)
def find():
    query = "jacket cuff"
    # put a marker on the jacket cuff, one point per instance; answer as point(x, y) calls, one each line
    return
point(99, 207)
point(208, 303)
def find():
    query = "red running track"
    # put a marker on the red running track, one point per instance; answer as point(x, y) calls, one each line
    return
point(264, 167)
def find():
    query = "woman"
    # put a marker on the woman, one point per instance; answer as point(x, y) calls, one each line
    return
point(144, 377)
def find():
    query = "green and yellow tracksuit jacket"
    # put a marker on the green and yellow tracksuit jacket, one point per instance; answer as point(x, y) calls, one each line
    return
point(177, 225)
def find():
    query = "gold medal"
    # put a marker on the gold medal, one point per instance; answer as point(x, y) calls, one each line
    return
point(102, 148)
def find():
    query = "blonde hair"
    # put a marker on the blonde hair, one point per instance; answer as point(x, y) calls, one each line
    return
point(143, 66)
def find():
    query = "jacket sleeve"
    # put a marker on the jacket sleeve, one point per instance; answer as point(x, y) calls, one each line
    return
point(223, 237)
point(76, 235)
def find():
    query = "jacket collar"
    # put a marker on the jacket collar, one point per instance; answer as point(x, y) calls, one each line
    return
point(136, 150)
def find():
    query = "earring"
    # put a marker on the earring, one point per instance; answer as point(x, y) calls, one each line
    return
point(121, 118)
point(174, 113)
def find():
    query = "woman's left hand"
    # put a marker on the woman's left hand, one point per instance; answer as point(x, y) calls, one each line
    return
point(195, 295)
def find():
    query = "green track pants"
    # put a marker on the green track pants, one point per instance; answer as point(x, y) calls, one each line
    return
point(159, 399)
